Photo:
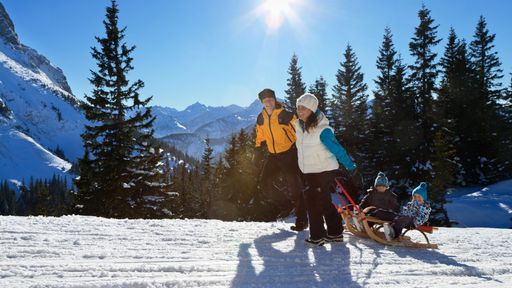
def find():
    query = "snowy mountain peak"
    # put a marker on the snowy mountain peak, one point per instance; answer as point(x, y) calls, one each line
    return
point(7, 28)
point(196, 107)
point(38, 112)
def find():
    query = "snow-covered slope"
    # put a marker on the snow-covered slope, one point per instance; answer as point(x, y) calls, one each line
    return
point(38, 112)
point(482, 206)
point(77, 251)
point(14, 161)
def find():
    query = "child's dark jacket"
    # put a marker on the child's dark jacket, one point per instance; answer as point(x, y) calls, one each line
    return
point(383, 200)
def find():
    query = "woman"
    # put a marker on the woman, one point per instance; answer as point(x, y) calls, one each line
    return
point(318, 156)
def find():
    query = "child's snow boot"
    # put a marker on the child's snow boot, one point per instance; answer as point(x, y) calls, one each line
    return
point(389, 232)
point(358, 224)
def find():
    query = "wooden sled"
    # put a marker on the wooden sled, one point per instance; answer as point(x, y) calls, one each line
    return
point(373, 229)
point(371, 226)
point(403, 240)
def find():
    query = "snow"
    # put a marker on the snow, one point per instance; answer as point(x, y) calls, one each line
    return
point(79, 251)
point(21, 156)
point(481, 206)
point(180, 126)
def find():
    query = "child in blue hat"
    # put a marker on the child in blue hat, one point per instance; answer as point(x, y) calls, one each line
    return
point(414, 213)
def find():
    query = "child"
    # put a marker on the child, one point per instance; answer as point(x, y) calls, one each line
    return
point(414, 213)
point(379, 196)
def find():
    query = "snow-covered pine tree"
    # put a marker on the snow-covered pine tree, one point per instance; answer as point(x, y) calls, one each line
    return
point(423, 75)
point(319, 89)
point(380, 123)
point(487, 67)
point(121, 173)
point(295, 85)
point(349, 107)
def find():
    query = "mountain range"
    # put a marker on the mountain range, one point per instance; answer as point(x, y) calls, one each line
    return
point(187, 129)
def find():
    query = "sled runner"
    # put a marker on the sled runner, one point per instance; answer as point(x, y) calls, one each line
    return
point(357, 223)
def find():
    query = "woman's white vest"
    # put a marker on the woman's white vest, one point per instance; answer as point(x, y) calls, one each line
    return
point(313, 156)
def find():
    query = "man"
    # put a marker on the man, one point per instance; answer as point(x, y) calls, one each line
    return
point(275, 130)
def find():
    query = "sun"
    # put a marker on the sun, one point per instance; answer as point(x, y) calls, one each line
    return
point(277, 12)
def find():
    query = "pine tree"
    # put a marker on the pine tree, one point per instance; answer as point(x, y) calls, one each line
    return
point(40, 201)
point(295, 85)
point(381, 129)
point(444, 170)
point(458, 108)
point(508, 97)
point(181, 206)
point(229, 186)
point(423, 76)
point(206, 179)
point(217, 202)
point(194, 190)
point(405, 134)
point(486, 65)
point(319, 89)
point(23, 199)
point(121, 170)
point(7, 199)
point(349, 107)
point(246, 178)
point(506, 144)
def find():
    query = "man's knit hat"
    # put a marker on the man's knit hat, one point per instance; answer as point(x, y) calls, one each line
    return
point(266, 93)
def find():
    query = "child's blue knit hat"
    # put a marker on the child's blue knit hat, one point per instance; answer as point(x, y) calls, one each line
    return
point(381, 180)
point(421, 190)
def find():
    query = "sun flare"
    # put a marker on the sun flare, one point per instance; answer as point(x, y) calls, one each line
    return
point(276, 12)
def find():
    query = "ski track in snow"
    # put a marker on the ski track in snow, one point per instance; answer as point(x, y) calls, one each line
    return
point(78, 251)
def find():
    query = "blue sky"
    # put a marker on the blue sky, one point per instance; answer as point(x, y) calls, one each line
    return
point(222, 52)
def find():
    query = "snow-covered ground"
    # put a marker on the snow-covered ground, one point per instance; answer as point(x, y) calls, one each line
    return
point(77, 251)
point(489, 206)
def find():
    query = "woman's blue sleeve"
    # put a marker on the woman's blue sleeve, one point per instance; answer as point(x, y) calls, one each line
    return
point(328, 139)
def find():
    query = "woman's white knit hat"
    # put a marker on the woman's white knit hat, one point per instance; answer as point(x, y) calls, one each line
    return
point(309, 101)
